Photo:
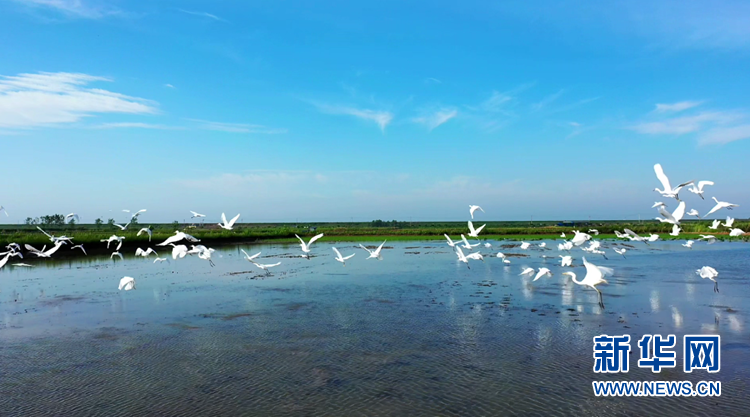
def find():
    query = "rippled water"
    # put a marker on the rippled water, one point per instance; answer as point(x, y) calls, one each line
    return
point(414, 334)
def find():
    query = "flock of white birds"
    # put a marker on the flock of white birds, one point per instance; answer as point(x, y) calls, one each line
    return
point(594, 274)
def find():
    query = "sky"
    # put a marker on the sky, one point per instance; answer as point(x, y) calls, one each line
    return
point(299, 111)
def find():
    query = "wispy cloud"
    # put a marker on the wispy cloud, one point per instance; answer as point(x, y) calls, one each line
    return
point(237, 127)
point(722, 135)
point(686, 124)
point(136, 125)
point(676, 107)
point(75, 8)
point(31, 100)
point(547, 101)
point(436, 118)
point(431, 80)
point(203, 14)
point(381, 117)
point(169, 86)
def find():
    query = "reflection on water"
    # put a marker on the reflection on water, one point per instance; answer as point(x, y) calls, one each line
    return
point(415, 334)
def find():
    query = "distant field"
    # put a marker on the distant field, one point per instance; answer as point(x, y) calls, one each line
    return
point(256, 232)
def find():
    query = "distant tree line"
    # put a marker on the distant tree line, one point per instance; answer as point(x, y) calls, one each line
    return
point(54, 219)
point(393, 223)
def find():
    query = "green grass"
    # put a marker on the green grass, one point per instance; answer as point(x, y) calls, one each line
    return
point(246, 233)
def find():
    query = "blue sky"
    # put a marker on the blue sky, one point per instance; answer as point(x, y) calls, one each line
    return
point(324, 111)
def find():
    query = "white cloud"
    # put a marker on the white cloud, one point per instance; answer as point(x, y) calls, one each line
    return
point(547, 101)
point(237, 127)
point(169, 86)
point(436, 118)
point(431, 80)
point(676, 107)
point(77, 8)
point(686, 124)
point(135, 125)
point(722, 135)
point(203, 14)
point(381, 117)
point(31, 100)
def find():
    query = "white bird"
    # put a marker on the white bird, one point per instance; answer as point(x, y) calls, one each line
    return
point(562, 235)
point(472, 209)
point(566, 260)
point(675, 230)
point(205, 254)
point(121, 226)
point(137, 213)
point(668, 191)
point(693, 212)
point(542, 245)
point(4, 260)
point(145, 253)
point(688, 244)
point(488, 245)
point(736, 232)
point(54, 239)
point(715, 224)
point(196, 214)
point(179, 251)
point(306, 246)
point(729, 223)
point(159, 260)
point(228, 224)
point(374, 253)
point(710, 273)
point(72, 216)
point(13, 246)
point(114, 238)
point(594, 232)
point(527, 271)
point(711, 239)
point(6, 211)
point(658, 204)
point(675, 216)
point(248, 257)
point(26, 265)
point(501, 255)
point(466, 244)
point(594, 276)
point(525, 245)
point(720, 205)
point(451, 243)
point(542, 272)
point(81, 248)
point(621, 251)
point(178, 236)
point(580, 238)
point(475, 256)
point(699, 189)
point(266, 267)
point(475, 232)
point(633, 236)
point(462, 257)
point(147, 231)
point(341, 258)
point(565, 246)
point(115, 253)
point(127, 284)
point(42, 253)
point(653, 238)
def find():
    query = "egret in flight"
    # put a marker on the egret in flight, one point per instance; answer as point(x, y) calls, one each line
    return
point(693, 212)
point(81, 248)
point(462, 257)
point(114, 238)
point(72, 216)
point(451, 243)
point(668, 191)
point(127, 284)
point(710, 273)
point(472, 209)
point(196, 214)
point(147, 231)
point(42, 253)
point(115, 253)
point(374, 253)
point(729, 223)
point(178, 236)
point(711, 239)
point(340, 258)
point(675, 230)
point(179, 251)
point(621, 251)
point(4, 210)
point(715, 224)
point(306, 246)
point(121, 226)
point(580, 238)
point(466, 244)
point(145, 253)
point(248, 257)
point(475, 232)
point(658, 204)
point(688, 244)
point(228, 224)
point(594, 232)
point(699, 189)
point(594, 276)
point(266, 267)
point(525, 245)
point(674, 217)
point(566, 260)
point(720, 205)
point(541, 273)
point(736, 232)
point(527, 271)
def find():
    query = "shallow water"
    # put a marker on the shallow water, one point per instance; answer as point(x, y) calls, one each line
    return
point(415, 334)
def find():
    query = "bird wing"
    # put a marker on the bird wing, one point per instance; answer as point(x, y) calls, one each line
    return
point(713, 210)
point(302, 242)
point(605, 270)
point(190, 238)
point(234, 219)
point(662, 177)
point(631, 233)
point(223, 219)
point(48, 235)
point(480, 229)
point(137, 213)
point(465, 241)
point(276, 264)
point(314, 238)
point(702, 184)
point(448, 237)
point(679, 212)
point(338, 254)
point(361, 246)
point(349, 256)
point(380, 247)
point(471, 228)
point(459, 252)
point(31, 248)
point(138, 252)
